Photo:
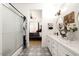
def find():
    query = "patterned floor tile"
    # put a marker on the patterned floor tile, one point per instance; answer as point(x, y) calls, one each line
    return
point(35, 51)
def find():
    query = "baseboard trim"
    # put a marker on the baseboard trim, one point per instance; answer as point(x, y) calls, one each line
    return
point(18, 52)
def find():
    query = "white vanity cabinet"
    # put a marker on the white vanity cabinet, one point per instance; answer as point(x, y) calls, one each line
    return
point(54, 48)
point(63, 51)
point(52, 45)
point(57, 48)
point(49, 42)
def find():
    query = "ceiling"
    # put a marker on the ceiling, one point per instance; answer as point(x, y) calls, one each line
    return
point(48, 8)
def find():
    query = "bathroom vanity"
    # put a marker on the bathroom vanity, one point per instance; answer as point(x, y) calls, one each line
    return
point(59, 46)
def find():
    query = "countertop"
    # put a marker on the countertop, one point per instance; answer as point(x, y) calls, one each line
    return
point(73, 46)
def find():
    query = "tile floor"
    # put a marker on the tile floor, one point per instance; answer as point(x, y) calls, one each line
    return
point(35, 51)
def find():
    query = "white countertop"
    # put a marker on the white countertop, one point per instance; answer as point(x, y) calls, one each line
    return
point(71, 45)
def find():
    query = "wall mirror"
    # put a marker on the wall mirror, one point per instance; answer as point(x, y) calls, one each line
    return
point(61, 27)
point(69, 18)
point(69, 22)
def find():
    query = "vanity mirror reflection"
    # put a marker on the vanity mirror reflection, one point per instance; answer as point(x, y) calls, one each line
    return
point(68, 26)
point(69, 22)
point(61, 27)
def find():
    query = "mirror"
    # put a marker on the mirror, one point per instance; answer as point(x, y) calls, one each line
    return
point(61, 27)
point(69, 18)
point(69, 22)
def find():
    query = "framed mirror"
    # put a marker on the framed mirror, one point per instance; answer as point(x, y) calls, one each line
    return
point(69, 18)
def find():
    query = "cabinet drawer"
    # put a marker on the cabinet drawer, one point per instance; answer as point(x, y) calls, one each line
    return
point(68, 52)
point(54, 52)
point(54, 48)
point(49, 43)
point(63, 51)
point(54, 45)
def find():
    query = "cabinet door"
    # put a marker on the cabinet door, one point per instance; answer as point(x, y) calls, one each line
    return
point(63, 51)
point(54, 48)
point(60, 50)
point(49, 43)
point(67, 52)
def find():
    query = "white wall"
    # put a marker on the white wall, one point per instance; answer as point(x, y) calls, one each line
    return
point(37, 18)
point(0, 31)
point(12, 31)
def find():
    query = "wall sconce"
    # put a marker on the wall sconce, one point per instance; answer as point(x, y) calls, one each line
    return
point(50, 26)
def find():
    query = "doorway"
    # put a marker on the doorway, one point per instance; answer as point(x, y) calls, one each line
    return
point(35, 34)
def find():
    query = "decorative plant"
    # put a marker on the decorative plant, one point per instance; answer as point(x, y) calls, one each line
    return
point(72, 27)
